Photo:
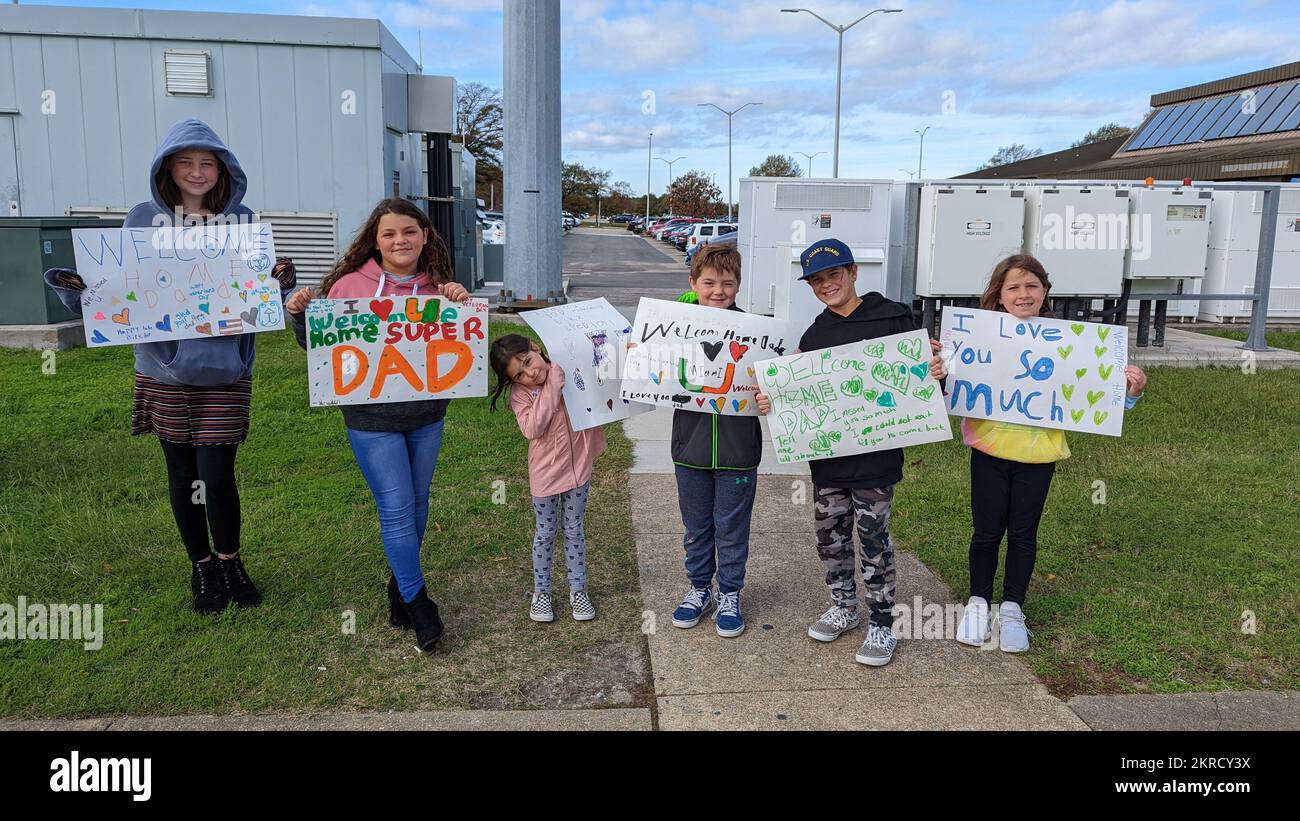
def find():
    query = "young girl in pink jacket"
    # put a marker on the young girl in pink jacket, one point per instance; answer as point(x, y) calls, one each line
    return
point(559, 467)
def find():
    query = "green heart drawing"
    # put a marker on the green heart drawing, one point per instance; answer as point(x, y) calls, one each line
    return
point(1078, 329)
point(851, 387)
point(1094, 397)
point(1068, 391)
point(920, 371)
point(1066, 351)
point(131, 297)
point(924, 393)
point(910, 348)
point(1103, 332)
point(867, 429)
point(870, 395)
point(1099, 417)
point(875, 350)
point(1105, 371)
point(771, 371)
point(891, 375)
point(1077, 415)
point(1081, 373)
point(1100, 351)
point(886, 400)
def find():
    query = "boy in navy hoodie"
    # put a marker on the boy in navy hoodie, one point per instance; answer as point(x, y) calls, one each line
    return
point(855, 490)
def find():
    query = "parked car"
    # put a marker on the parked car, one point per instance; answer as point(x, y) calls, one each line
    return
point(720, 239)
point(704, 230)
point(570, 221)
point(494, 232)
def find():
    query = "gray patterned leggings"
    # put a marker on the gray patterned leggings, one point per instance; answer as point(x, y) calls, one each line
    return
point(547, 510)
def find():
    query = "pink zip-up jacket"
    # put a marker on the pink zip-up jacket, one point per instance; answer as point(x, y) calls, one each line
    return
point(361, 284)
point(559, 459)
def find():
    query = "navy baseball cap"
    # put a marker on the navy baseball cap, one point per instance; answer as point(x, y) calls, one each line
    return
point(823, 255)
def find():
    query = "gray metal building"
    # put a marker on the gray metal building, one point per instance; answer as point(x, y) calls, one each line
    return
point(315, 108)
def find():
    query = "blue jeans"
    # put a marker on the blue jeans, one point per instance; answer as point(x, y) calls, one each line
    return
point(716, 507)
point(398, 467)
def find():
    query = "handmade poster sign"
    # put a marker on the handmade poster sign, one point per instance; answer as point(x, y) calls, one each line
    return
point(168, 284)
point(857, 398)
point(588, 340)
point(1042, 372)
point(700, 359)
point(402, 349)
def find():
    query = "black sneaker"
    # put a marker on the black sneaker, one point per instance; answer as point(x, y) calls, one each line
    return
point(209, 593)
point(424, 615)
point(239, 588)
point(397, 615)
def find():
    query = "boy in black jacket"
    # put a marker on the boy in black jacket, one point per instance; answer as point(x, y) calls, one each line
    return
point(857, 489)
point(716, 459)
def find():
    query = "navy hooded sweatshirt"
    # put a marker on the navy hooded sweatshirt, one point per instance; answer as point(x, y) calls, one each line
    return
point(219, 360)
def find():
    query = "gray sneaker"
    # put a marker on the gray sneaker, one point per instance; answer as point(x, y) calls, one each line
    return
point(834, 623)
point(878, 649)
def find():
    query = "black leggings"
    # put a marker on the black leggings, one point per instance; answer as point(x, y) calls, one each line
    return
point(217, 496)
point(1005, 497)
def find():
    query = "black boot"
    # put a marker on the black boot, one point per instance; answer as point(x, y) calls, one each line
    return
point(209, 593)
point(424, 615)
point(239, 588)
point(397, 615)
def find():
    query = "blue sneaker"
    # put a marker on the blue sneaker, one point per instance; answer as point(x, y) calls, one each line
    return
point(730, 622)
point(694, 607)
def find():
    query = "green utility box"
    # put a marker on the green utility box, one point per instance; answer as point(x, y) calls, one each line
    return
point(28, 247)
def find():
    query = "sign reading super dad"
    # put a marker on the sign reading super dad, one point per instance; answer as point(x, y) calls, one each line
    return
point(1041, 372)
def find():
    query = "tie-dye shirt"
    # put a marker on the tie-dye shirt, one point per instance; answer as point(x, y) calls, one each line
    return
point(1020, 443)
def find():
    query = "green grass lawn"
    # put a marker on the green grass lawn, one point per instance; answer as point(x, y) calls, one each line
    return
point(1290, 340)
point(1146, 593)
point(84, 517)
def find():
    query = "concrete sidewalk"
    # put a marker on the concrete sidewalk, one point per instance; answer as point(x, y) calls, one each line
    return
point(455, 720)
point(774, 676)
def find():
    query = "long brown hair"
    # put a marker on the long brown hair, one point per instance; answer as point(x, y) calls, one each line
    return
point(992, 299)
point(214, 201)
point(434, 259)
point(502, 353)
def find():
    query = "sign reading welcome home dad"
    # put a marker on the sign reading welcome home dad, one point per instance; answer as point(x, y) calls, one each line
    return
point(168, 284)
point(1041, 372)
point(856, 398)
point(699, 359)
point(400, 349)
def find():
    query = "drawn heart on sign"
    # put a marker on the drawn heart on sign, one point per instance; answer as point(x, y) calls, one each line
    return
point(699, 402)
point(751, 373)
point(1081, 373)
point(1100, 350)
point(205, 328)
point(886, 400)
point(875, 350)
point(718, 404)
point(99, 315)
point(250, 316)
point(1105, 371)
point(739, 404)
point(225, 310)
point(131, 297)
point(1076, 415)
point(1068, 391)
point(243, 296)
point(123, 318)
point(711, 349)
point(891, 375)
point(924, 394)
point(266, 297)
point(117, 301)
point(738, 350)
point(610, 404)
point(1103, 332)
point(98, 338)
point(588, 410)
point(1094, 397)
point(851, 387)
point(1066, 351)
point(249, 285)
point(870, 395)
point(261, 277)
point(205, 307)
point(381, 308)
point(919, 371)
point(657, 378)
point(1099, 417)
point(910, 348)
point(1078, 329)
point(165, 325)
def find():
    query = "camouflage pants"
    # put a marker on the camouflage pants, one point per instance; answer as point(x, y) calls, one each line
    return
point(837, 511)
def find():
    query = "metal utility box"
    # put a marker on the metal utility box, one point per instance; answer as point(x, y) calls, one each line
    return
point(1234, 248)
point(963, 233)
point(28, 247)
point(1080, 234)
point(1169, 233)
point(780, 217)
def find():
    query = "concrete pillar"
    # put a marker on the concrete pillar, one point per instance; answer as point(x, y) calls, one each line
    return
point(534, 234)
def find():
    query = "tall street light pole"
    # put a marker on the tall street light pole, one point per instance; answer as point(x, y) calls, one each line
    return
point(649, 165)
point(921, 156)
point(729, 114)
point(670, 166)
point(810, 158)
point(839, 69)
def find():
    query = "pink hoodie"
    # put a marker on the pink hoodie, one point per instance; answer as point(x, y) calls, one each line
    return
point(361, 284)
point(559, 459)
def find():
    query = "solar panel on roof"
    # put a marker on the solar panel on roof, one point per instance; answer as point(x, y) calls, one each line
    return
point(1269, 110)
point(1288, 104)
point(1158, 133)
point(1167, 137)
point(1145, 134)
point(1208, 122)
point(1193, 122)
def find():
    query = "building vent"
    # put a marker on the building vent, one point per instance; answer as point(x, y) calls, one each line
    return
point(188, 72)
point(836, 197)
point(311, 239)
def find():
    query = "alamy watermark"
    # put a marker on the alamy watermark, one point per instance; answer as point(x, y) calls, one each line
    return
point(53, 622)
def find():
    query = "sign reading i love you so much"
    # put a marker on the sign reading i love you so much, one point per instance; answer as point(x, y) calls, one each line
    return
point(374, 351)
point(699, 359)
point(1042, 372)
point(856, 398)
point(167, 284)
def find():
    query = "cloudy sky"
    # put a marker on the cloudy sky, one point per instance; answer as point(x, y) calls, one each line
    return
point(979, 74)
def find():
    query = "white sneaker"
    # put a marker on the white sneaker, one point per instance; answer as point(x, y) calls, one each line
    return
point(1013, 636)
point(541, 609)
point(975, 623)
